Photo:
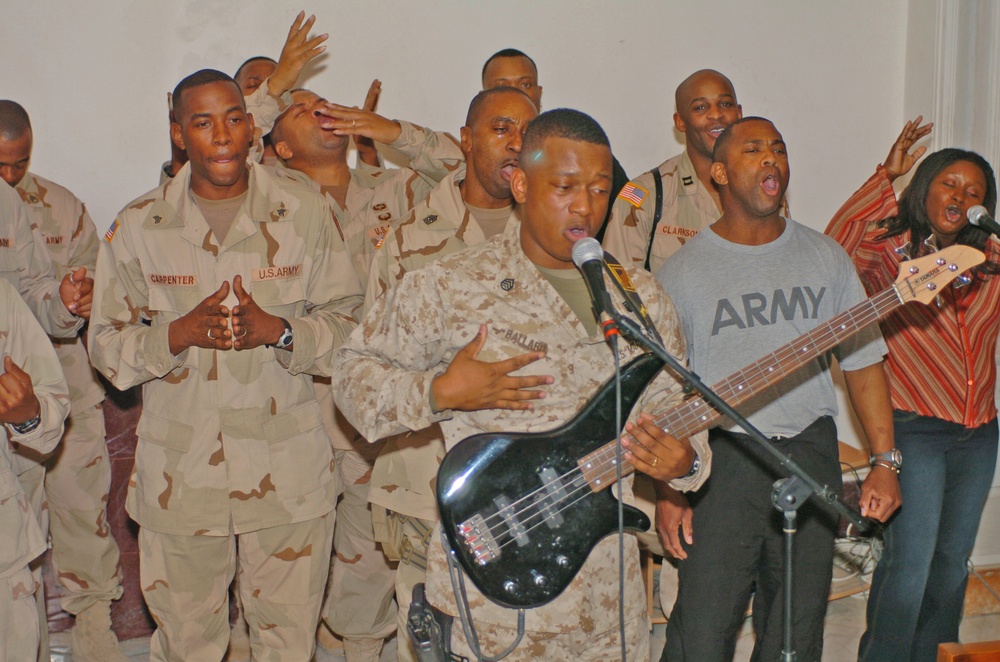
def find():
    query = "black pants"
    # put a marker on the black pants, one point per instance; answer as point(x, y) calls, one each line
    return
point(739, 548)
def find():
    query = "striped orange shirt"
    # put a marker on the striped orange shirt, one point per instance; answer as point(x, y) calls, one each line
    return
point(941, 356)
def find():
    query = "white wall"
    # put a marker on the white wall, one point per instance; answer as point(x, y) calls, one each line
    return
point(94, 74)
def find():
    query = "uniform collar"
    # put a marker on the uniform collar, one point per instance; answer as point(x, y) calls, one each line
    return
point(265, 203)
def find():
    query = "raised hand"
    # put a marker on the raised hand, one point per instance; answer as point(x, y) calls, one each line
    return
point(77, 292)
point(357, 122)
point(470, 384)
point(900, 160)
point(296, 52)
point(367, 151)
point(252, 326)
point(206, 325)
point(18, 402)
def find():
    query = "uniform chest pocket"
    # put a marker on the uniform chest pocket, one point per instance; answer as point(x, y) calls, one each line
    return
point(9, 263)
point(173, 299)
point(279, 295)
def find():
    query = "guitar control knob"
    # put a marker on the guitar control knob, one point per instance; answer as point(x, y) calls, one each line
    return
point(562, 561)
point(539, 581)
point(510, 586)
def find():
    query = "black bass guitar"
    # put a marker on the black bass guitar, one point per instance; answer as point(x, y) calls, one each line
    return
point(522, 511)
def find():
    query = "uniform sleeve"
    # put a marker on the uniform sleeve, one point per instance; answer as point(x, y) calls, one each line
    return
point(334, 300)
point(265, 110)
point(38, 285)
point(384, 372)
point(30, 348)
point(123, 346)
point(84, 243)
point(627, 233)
point(383, 271)
point(665, 393)
point(874, 201)
point(433, 155)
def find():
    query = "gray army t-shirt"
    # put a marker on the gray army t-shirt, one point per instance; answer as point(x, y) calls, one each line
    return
point(737, 303)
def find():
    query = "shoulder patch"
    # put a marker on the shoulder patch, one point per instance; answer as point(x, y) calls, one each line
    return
point(110, 234)
point(633, 193)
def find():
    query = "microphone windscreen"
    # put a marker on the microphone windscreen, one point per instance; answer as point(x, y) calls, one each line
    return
point(975, 213)
point(587, 249)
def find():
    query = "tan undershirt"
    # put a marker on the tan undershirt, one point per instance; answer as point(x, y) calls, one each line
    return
point(220, 214)
point(492, 221)
point(572, 288)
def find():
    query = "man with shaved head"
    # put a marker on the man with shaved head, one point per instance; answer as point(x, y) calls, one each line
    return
point(658, 211)
point(77, 477)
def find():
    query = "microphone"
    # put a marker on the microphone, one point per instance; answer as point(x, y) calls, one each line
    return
point(588, 256)
point(981, 218)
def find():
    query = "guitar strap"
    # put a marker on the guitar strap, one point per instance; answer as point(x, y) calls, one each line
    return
point(632, 301)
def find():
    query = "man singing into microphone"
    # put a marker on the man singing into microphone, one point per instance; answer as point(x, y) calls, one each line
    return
point(439, 348)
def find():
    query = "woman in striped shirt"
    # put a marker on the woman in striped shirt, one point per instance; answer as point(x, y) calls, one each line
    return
point(942, 374)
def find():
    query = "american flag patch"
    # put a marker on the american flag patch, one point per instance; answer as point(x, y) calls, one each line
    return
point(634, 194)
point(110, 234)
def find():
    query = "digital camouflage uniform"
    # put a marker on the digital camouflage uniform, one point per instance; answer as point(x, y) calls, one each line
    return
point(231, 443)
point(415, 331)
point(26, 264)
point(402, 484)
point(22, 540)
point(359, 604)
point(78, 477)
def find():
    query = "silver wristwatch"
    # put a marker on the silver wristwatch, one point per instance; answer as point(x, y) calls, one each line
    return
point(890, 460)
point(285, 339)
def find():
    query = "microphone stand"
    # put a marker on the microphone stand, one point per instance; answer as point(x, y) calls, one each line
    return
point(788, 493)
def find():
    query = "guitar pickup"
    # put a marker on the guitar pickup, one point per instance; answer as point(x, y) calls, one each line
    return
point(555, 494)
point(514, 526)
point(479, 540)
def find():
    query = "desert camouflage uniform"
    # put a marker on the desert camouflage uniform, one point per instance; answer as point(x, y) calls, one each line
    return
point(22, 539)
point(688, 208)
point(402, 485)
point(78, 477)
point(359, 603)
point(412, 334)
point(26, 264)
point(231, 443)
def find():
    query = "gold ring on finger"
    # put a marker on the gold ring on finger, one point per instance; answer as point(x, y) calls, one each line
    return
point(210, 334)
point(655, 460)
